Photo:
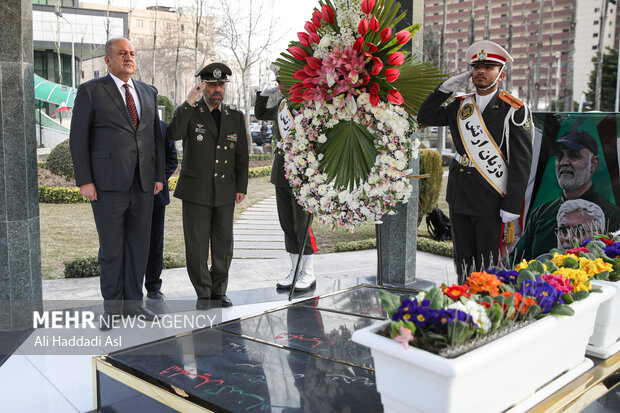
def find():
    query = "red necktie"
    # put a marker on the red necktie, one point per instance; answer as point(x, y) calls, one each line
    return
point(131, 106)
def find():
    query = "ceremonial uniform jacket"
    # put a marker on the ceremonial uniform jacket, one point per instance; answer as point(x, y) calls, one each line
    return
point(215, 166)
point(468, 192)
point(262, 112)
point(539, 236)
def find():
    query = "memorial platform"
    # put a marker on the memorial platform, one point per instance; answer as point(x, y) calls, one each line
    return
point(298, 357)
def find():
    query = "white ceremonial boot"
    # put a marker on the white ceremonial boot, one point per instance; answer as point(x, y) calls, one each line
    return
point(286, 283)
point(306, 279)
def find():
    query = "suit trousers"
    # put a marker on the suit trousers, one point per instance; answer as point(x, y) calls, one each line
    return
point(204, 227)
point(293, 221)
point(475, 241)
point(123, 220)
point(155, 263)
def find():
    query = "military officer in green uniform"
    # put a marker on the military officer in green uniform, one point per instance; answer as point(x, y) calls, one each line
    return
point(575, 163)
point(214, 176)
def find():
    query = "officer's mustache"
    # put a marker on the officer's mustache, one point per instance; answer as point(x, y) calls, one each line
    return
point(564, 169)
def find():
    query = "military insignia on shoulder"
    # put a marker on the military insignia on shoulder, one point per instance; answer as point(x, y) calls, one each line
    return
point(466, 111)
point(511, 100)
point(232, 137)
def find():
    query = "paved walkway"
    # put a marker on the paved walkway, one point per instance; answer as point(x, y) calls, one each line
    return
point(260, 260)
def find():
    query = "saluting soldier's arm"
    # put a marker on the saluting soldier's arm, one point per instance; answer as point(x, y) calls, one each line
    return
point(432, 112)
point(261, 111)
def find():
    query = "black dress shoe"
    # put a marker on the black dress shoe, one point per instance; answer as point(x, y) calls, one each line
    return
point(203, 303)
point(140, 312)
point(223, 299)
point(155, 295)
point(107, 320)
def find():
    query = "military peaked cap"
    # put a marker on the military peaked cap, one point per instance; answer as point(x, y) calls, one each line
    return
point(214, 72)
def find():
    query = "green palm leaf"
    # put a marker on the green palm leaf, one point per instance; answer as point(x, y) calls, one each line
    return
point(417, 80)
point(348, 154)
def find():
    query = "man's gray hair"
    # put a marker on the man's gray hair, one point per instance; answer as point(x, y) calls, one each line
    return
point(593, 210)
point(108, 44)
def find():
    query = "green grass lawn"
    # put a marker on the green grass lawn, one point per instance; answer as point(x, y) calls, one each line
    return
point(68, 230)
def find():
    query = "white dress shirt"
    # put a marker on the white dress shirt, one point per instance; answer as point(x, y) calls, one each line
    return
point(132, 90)
point(483, 101)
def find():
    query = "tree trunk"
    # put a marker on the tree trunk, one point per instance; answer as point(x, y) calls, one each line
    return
point(509, 65)
point(599, 56)
point(539, 45)
point(471, 22)
point(550, 65)
point(154, 46)
point(568, 86)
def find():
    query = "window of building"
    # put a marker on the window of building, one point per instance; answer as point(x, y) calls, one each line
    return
point(140, 22)
point(152, 24)
point(594, 34)
point(594, 47)
point(182, 27)
point(96, 73)
point(40, 63)
point(596, 10)
point(595, 22)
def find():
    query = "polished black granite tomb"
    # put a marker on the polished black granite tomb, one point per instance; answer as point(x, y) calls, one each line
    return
point(296, 358)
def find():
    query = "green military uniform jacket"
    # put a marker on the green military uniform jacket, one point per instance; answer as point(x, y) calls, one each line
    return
point(539, 236)
point(215, 166)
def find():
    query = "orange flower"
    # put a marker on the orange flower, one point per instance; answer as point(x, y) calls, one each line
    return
point(482, 282)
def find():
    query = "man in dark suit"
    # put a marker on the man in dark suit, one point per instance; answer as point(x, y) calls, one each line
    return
point(492, 134)
point(293, 219)
point(117, 152)
point(154, 264)
point(214, 176)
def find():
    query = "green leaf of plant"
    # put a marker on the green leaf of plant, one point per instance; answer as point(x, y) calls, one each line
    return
point(348, 154)
point(390, 302)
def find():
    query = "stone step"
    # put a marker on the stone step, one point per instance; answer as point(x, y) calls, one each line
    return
point(258, 245)
point(259, 254)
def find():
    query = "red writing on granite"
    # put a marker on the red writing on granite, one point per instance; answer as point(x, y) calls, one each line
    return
point(300, 337)
point(176, 370)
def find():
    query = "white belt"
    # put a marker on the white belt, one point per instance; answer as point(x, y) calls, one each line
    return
point(463, 159)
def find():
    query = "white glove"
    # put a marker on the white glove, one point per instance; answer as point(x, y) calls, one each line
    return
point(456, 83)
point(507, 216)
point(269, 91)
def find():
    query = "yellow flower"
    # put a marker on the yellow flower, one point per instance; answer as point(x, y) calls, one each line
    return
point(593, 267)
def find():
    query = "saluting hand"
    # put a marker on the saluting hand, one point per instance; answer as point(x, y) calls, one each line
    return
point(456, 83)
point(195, 93)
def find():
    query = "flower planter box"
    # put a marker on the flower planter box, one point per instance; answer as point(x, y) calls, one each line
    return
point(605, 341)
point(493, 377)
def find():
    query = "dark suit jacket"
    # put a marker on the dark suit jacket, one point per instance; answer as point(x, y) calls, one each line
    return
point(171, 162)
point(103, 139)
point(215, 166)
point(262, 112)
point(468, 192)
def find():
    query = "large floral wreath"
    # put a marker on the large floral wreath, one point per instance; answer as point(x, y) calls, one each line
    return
point(354, 96)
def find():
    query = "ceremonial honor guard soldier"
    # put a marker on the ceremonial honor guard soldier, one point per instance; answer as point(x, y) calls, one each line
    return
point(293, 218)
point(492, 133)
point(214, 176)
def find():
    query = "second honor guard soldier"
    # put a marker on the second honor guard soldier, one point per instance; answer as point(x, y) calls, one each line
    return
point(492, 134)
point(292, 217)
point(214, 176)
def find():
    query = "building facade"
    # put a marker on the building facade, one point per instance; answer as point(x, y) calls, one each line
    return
point(495, 20)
